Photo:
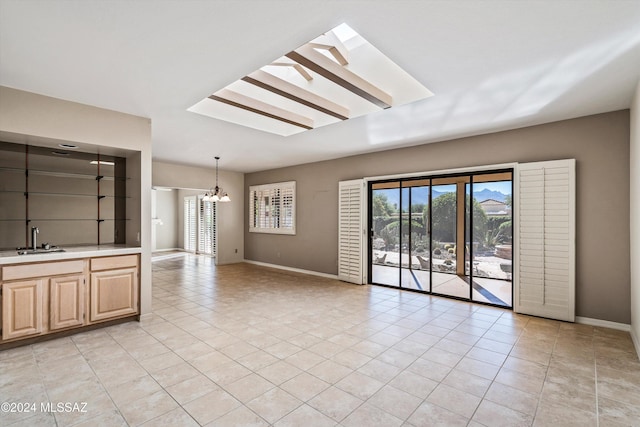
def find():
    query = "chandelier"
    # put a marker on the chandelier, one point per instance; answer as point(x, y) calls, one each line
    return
point(216, 194)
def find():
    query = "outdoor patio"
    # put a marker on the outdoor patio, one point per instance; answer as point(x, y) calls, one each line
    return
point(491, 277)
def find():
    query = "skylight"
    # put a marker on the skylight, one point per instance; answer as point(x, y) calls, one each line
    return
point(336, 76)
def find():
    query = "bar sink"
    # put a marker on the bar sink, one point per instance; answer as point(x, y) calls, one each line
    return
point(30, 251)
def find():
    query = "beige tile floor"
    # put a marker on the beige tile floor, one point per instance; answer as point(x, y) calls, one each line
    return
point(242, 345)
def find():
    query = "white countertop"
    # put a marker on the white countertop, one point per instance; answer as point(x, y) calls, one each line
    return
point(71, 252)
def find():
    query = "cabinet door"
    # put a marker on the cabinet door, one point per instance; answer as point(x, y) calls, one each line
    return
point(114, 293)
point(21, 308)
point(66, 299)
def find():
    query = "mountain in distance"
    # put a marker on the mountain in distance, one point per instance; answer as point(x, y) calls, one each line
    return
point(480, 196)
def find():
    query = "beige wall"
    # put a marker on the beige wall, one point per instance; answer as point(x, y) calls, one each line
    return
point(600, 145)
point(41, 117)
point(230, 215)
point(635, 218)
point(166, 210)
point(181, 195)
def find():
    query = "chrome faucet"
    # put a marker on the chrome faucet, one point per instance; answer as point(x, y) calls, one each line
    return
point(34, 238)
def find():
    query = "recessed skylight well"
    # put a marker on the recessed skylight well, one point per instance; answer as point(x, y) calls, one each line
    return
point(334, 77)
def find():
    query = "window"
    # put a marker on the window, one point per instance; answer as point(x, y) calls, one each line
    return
point(272, 208)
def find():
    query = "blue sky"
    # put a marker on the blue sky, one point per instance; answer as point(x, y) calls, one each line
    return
point(502, 186)
point(421, 194)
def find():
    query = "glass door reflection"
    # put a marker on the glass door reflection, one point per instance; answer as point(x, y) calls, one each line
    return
point(415, 272)
point(489, 256)
point(385, 233)
point(446, 233)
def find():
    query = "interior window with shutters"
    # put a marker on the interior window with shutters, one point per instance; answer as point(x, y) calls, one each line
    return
point(272, 208)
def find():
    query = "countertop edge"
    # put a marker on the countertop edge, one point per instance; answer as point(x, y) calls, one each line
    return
point(70, 253)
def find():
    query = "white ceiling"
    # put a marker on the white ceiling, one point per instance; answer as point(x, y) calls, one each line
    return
point(492, 65)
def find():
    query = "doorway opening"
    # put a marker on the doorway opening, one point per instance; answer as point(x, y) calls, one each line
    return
point(448, 235)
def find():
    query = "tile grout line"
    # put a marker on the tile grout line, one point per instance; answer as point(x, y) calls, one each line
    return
point(494, 377)
point(220, 386)
point(555, 343)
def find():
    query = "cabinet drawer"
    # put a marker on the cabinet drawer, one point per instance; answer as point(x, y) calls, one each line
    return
point(113, 262)
point(25, 271)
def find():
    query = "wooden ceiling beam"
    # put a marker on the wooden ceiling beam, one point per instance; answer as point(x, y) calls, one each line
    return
point(244, 102)
point(299, 68)
point(295, 93)
point(332, 43)
point(320, 64)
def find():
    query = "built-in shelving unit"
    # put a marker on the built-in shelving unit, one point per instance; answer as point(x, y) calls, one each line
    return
point(72, 197)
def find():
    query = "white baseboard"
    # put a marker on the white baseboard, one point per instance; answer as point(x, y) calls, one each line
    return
point(295, 270)
point(170, 253)
point(603, 323)
point(168, 250)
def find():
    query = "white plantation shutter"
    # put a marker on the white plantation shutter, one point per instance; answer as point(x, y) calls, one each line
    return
point(207, 223)
point(190, 224)
point(288, 211)
point(545, 241)
point(350, 231)
point(272, 208)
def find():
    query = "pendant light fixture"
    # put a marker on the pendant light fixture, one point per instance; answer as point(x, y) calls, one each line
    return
point(217, 194)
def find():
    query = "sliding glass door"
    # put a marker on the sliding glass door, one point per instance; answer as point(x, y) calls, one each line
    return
point(446, 235)
point(445, 225)
point(415, 273)
point(385, 237)
point(490, 257)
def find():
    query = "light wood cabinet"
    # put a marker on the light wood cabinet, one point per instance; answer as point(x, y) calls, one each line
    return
point(22, 304)
point(114, 293)
point(66, 301)
point(114, 287)
point(46, 297)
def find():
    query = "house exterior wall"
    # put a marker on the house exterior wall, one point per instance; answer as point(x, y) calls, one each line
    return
point(599, 143)
point(492, 207)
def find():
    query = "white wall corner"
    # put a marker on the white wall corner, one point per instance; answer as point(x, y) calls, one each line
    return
point(634, 216)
